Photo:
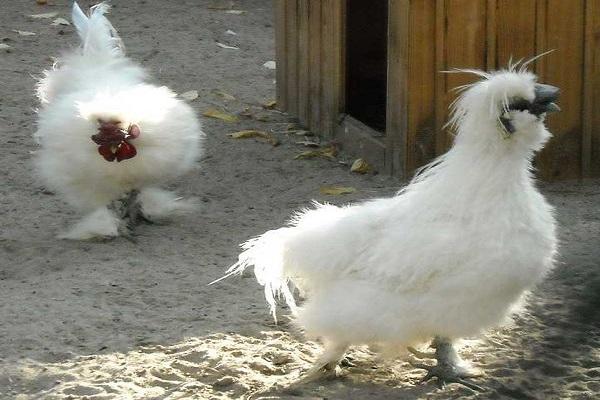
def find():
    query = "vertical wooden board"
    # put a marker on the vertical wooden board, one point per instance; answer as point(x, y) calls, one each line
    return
point(465, 47)
point(421, 85)
point(281, 53)
point(315, 65)
point(332, 14)
point(564, 31)
point(397, 88)
point(291, 44)
point(441, 110)
point(515, 31)
point(591, 92)
point(303, 62)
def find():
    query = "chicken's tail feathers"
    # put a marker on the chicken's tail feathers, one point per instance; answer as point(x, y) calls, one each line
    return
point(97, 34)
point(266, 254)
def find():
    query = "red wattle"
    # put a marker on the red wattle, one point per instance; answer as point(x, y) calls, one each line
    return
point(125, 151)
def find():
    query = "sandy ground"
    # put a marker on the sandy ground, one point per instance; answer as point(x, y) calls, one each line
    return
point(123, 320)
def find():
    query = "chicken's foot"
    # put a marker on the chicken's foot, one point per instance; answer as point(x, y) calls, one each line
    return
point(448, 368)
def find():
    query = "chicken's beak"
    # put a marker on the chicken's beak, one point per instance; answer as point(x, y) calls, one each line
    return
point(544, 101)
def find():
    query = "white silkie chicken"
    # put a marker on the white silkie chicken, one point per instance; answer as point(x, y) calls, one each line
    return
point(445, 258)
point(107, 137)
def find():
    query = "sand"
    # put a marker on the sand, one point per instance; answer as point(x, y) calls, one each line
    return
point(124, 320)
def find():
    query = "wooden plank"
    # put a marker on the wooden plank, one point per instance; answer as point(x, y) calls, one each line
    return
point(590, 156)
point(315, 66)
point(515, 37)
point(397, 90)
point(303, 62)
point(421, 135)
point(561, 159)
point(281, 54)
point(492, 33)
point(441, 109)
point(465, 26)
point(332, 15)
point(291, 11)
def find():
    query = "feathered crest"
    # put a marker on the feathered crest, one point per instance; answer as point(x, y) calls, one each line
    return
point(458, 112)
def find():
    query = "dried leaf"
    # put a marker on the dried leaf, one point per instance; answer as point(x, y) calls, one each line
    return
point(5, 47)
point(308, 143)
point(224, 95)
point(270, 65)
point(269, 105)
point(41, 2)
point(255, 134)
point(360, 166)
point(224, 46)
point(60, 21)
point(190, 95)
point(230, 32)
point(336, 190)
point(328, 153)
point(45, 15)
point(24, 33)
point(212, 113)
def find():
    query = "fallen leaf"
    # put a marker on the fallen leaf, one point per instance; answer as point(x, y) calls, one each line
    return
point(60, 21)
point(269, 105)
point(308, 143)
point(41, 2)
point(5, 47)
point(224, 46)
point(328, 152)
point(255, 134)
point(230, 32)
point(24, 33)
point(224, 95)
point(189, 95)
point(360, 166)
point(235, 12)
point(336, 190)
point(45, 15)
point(270, 65)
point(212, 113)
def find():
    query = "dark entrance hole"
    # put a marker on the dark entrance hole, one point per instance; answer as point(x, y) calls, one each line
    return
point(366, 62)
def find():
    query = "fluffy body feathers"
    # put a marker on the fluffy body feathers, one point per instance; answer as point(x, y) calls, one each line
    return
point(448, 255)
point(94, 83)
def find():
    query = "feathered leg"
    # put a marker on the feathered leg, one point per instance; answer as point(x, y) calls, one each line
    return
point(129, 209)
point(326, 364)
point(449, 368)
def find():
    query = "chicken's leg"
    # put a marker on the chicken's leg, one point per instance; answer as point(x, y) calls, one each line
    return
point(326, 364)
point(129, 209)
point(449, 368)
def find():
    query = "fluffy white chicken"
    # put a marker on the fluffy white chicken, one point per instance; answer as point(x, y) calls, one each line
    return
point(445, 258)
point(107, 137)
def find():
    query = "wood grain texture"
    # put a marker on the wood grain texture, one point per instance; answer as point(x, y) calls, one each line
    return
point(591, 92)
point(421, 126)
point(291, 14)
point(332, 80)
point(515, 31)
point(281, 53)
point(397, 90)
point(303, 62)
point(314, 55)
point(464, 33)
point(564, 31)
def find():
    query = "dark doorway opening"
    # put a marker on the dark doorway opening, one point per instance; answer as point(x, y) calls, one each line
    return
point(366, 61)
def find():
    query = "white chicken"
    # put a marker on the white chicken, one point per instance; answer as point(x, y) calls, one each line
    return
point(107, 137)
point(445, 258)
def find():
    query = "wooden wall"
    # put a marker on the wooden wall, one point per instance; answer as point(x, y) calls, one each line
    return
point(429, 36)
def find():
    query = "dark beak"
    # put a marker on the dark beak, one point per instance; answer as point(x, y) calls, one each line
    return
point(545, 97)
